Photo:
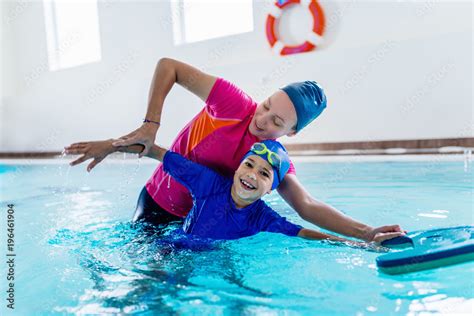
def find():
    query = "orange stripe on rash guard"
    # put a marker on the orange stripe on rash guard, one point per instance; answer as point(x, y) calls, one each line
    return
point(204, 125)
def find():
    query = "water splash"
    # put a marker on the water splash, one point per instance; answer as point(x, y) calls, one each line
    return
point(63, 174)
point(467, 159)
point(62, 157)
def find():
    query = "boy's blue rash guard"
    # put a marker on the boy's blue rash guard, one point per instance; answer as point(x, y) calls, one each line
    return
point(214, 214)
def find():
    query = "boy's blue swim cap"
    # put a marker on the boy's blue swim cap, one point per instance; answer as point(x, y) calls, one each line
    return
point(309, 101)
point(277, 148)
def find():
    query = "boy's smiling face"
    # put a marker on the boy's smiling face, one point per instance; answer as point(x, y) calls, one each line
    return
point(252, 180)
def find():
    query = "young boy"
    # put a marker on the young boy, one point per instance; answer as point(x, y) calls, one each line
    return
point(226, 208)
point(231, 208)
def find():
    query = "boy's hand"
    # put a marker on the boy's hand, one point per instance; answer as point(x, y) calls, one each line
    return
point(97, 150)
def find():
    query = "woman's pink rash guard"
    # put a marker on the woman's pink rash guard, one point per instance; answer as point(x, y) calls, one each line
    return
point(217, 137)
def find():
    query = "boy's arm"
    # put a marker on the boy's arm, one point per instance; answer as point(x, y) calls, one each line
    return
point(197, 178)
point(98, 150)
point(156, 152)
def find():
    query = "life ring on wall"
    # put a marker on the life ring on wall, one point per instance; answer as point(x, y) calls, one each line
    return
point(310, 44)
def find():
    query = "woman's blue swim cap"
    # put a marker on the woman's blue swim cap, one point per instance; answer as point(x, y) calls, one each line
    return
point(309, 101)
point(278, 149)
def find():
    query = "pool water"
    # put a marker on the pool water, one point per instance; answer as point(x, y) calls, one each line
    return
point(77, 252)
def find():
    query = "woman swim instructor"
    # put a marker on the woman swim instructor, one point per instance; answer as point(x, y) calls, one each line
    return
point(218, 136)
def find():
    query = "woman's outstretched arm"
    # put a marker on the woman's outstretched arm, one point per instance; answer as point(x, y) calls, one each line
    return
point(328, 217)
point(167, 72)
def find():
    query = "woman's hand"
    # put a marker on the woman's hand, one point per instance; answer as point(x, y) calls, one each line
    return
point(382, 233)
point(144, 135)
point(97, 150)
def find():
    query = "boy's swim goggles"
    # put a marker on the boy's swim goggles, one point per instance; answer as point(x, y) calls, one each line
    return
point(272, 157)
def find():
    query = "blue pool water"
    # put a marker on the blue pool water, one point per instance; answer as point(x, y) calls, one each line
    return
point(76, 252)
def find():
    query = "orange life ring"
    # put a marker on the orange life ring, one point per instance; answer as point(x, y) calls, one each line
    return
point(319, 24)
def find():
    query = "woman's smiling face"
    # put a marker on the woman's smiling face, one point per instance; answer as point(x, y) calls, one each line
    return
point(274, 117)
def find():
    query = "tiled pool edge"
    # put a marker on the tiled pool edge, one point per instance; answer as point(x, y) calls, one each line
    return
point(131, 159)
point(359, 148)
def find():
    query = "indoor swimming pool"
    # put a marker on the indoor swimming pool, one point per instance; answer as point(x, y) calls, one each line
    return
point(77, 252)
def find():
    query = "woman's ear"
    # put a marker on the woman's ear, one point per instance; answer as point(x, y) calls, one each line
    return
point(292, 133)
